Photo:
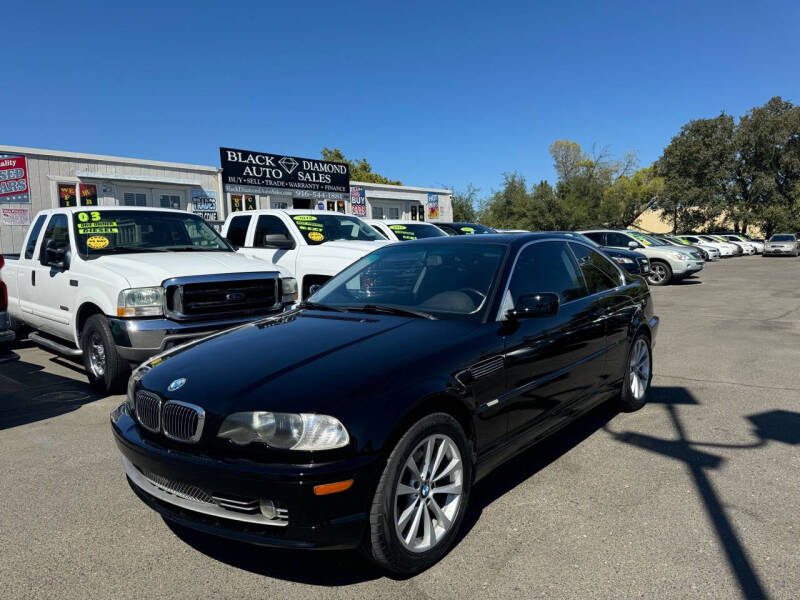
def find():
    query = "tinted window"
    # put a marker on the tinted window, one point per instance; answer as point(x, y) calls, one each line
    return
point(237, 230)
point(596, 237)
point(617, 240)
point(447, 229)
point(600, 275)
point(56, 231)
point(412, 231)
point(782, 238)
point(269, 225)
point(321, 228)
point(546, 267)
point(37, 227)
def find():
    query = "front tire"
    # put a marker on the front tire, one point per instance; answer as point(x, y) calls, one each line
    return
point(638, 375)
point(107, 371)
point(660, 273)
point(421, 497)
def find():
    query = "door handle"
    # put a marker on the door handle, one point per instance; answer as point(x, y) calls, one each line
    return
point(33, 277)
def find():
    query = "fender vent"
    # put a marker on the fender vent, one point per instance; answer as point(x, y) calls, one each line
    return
point(486, 367)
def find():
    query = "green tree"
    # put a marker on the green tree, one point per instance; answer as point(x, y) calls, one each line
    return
point(464, 203)
point(627, 198)
point(360, 169)
point(505, 206)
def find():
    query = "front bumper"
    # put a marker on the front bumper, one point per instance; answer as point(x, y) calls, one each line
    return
point(139, 339)
point(335, 521)
point(686, 268)
point(781, 251)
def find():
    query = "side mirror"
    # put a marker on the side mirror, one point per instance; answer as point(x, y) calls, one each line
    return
point(313, 289)
point(278, 241)
point(633, 245)
point(528, 306)
point(55, 256)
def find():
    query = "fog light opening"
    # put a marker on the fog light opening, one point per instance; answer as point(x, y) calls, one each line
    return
point(268, 509)
point(332, 488)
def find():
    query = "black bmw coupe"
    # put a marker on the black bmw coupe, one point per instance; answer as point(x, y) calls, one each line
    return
point(363, 417)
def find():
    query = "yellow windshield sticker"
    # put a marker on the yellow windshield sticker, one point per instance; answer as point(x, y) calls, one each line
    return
point(96, 242)
point(468, 229)
point(96, 227)
point(397, 227)
point(85, 217)
point(315, 236)
point(304, 218)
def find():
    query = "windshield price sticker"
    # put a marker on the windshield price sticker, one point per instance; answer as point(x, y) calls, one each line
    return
point(397, 227)
point(97, 227)
point(311, 227)
point(468, 230)
point(304, 218)
point(97, 242)
point(315, 236)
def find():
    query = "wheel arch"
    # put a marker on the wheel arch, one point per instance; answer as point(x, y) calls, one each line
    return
point(86, 310)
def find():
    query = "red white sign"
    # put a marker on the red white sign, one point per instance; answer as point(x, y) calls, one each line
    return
point(14, 179)
point(15, 216)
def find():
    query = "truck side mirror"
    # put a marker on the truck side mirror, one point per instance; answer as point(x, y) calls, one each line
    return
point(56, 256)
point(279, 241)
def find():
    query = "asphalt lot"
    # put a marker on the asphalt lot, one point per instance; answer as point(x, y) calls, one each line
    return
point(695, 496)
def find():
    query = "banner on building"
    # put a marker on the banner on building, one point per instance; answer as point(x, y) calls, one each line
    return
point(358, 201)
point(16, 216)
point(249, 202)
point(14, 178)
point(66, 195)
point(204, 204)
point(88, 194)
point(248, 172)
point(433, 205)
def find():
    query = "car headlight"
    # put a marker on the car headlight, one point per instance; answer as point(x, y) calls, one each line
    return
point(141, 302)
point(680, 256)
point(623, 260)
point(288, 290)
point(285, 431)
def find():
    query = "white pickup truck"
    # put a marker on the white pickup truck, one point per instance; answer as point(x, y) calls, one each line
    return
point(314, 245)
point(118, 285)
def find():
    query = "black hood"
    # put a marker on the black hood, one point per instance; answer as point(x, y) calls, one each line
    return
point(304, 361)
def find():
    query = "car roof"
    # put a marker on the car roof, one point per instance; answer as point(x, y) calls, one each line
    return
point(76, 209)
point(508, 239)
point(398, 222)
point(290, 211)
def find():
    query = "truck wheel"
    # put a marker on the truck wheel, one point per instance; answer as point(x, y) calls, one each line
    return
point(421, 497)
point(108, 373)
point(660, 273)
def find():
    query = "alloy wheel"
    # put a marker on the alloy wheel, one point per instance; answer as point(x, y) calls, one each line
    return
point(97, 356)
point(639, 369)
point(429, 493)
point(657, 273)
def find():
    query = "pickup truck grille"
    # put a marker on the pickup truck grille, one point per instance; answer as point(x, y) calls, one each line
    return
point(193, 298)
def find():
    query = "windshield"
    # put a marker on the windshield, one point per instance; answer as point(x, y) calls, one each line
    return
point(321, 228)
point(473, 228)
point(782, 237)
point(708, 239)
point(448, 281)
point(646, 239)
point(683, 241)
point(416, 231)
point(127, 231)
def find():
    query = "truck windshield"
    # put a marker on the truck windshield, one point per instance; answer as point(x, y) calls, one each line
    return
point(321, 228)
point(416, 231)
point(99, 232)
point(446, 281)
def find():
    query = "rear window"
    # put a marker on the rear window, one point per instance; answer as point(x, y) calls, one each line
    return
point(34, 236)
point(416, 231)
point(237, 230)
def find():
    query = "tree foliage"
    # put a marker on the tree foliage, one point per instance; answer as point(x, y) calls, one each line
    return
point(360, 169)
point(464, 204)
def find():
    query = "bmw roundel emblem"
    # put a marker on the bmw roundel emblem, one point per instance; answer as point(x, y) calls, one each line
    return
point(176, 385)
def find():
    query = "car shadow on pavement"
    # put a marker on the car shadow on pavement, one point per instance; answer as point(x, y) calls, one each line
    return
point(778, 425)
point(314, 567)
point(29, 394)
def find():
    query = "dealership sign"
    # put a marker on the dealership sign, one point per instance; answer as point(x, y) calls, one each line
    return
point(14, 178)
point(358, 201)
point(244, 171)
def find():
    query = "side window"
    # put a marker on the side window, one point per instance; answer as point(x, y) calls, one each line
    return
point(34, 236)
point(598, 237)
point(237, 230)
point(617, 240)
point(269, 225)
point(546, 267)
point(598, 272)
point(380, 230)
point(57, 231)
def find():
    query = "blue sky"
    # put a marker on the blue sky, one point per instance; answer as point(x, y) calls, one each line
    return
point(431, 93)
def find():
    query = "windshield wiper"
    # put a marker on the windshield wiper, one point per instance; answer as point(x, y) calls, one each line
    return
point(392, 310)
point(115, 249)
point(315, 306)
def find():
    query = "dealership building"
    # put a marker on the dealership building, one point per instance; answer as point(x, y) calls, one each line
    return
point(33, 179)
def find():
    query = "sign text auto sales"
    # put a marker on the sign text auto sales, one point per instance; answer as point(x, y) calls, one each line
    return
point(244, 171)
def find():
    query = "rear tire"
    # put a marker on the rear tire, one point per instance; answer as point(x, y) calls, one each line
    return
point(638, 374)
point(660, 273)
point(412, 522)
point(107, 371)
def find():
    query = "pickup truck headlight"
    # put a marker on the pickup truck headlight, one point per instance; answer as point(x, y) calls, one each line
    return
point(141, 302)
point(289, 290)
point(285, 431)
point(623, 260)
